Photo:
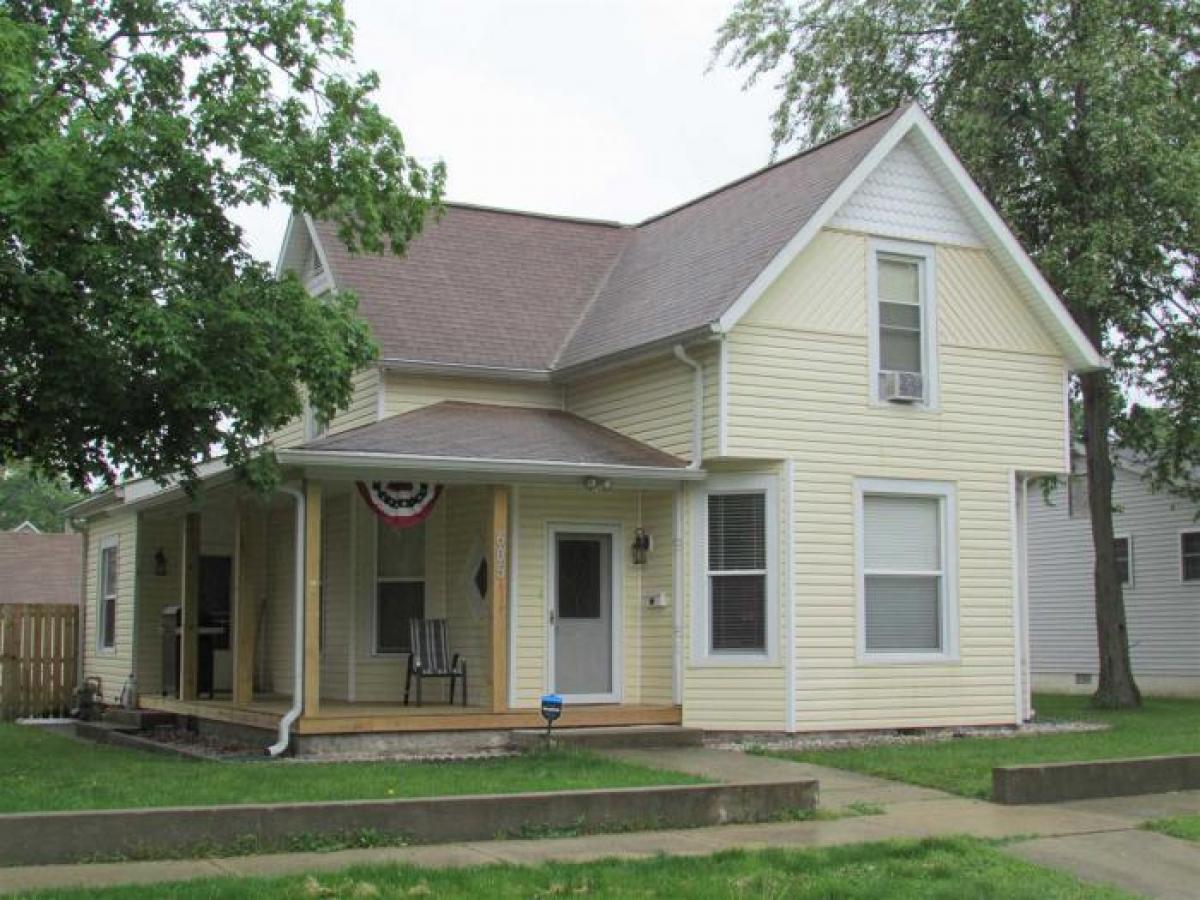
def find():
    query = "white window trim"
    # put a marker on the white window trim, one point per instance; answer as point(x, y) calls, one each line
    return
point(947, 494)
point(925, 253)
point(1125, 536)
point(376, 580)
point(112, 542)
point(702, 655)
point(1179, 549)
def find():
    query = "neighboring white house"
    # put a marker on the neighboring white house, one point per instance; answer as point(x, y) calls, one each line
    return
point(1158, 551)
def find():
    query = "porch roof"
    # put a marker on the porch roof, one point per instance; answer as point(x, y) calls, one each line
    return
point(477, 436)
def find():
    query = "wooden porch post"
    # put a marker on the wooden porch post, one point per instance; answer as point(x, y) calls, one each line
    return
point(499, 590)
point(312, 598)
point(247, 597)
point(189, 647)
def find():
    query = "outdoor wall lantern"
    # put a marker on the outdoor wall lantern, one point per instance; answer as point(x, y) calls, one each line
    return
point(641, 546)
point(160, 562)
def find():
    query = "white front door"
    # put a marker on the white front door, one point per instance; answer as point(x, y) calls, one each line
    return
point(583, 613)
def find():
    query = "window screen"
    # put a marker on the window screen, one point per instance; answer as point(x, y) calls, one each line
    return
point(1189, 548)
point(899, 290)
point(903, 573)
point(737, 572)
point(580, 579)
point(400, 585)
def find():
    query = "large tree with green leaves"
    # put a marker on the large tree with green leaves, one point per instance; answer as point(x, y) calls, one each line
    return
point(137, 334)
point(27, 496)
point(1079, 119)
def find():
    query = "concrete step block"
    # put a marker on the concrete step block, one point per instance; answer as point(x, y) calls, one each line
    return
point(614, 737)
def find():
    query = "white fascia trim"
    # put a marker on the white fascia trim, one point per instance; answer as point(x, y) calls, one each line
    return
point(1082, 355)
point(819, 220)
point(339, 459)
point(283, 248)
point(461, 370)
point(319, 249)
point(947, 492)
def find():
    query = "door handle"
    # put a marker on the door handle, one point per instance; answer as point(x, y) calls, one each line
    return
point(552, 617)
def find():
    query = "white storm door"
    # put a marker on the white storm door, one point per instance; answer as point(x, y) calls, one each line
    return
point(582, 616)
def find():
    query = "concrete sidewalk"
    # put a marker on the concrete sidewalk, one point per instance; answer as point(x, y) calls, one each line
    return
point(1095, 840)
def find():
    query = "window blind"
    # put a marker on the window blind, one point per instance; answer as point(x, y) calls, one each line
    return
point(903, 573)
point(737, 566)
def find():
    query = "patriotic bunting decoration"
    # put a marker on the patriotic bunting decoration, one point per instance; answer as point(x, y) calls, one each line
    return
point(402, 504)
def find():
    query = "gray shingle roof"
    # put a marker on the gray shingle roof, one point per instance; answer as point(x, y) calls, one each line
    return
point(518, 290)
point(455, 430)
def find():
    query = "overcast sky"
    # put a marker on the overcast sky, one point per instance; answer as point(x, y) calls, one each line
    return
point(599, 108)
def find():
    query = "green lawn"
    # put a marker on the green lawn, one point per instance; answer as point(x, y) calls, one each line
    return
point(964, 765)
point(1186, 827)
point(47, 771)
point(936, 869)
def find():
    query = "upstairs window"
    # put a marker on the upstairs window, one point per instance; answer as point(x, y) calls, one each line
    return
point(902, 369)
point(1189, 555)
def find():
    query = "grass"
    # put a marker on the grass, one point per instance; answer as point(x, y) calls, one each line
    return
point(964, 765)
point(41, 770)
point(937, 869)
point(1186, 827)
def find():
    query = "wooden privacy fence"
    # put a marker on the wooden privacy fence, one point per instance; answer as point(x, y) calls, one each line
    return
point(39, 657)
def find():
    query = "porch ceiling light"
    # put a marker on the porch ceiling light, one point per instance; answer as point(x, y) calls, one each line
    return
point(597, 485)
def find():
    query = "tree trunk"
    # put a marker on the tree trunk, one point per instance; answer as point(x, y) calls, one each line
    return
point(1117, 689)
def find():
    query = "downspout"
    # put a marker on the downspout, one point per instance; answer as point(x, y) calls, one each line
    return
point(694, 463)
point(697, 404)
point(285, 724)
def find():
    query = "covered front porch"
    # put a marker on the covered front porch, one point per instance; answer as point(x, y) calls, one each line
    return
point(536, 576)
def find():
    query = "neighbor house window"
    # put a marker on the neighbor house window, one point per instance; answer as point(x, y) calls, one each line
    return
point(1189, 555)
point(400, 585)
point(106, 618)
point(1123, 551)
point(901, 322)
point(906, 580)
point(738, 524)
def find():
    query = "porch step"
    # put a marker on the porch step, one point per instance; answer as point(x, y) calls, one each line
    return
point(616, 736)
point(138, 719)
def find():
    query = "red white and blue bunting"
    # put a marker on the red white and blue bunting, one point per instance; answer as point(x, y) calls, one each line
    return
point(402, 504)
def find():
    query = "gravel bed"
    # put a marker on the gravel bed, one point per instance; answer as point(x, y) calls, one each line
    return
point(850, 740)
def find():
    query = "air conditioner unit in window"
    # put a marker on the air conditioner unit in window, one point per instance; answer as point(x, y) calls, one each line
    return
point(902, 387)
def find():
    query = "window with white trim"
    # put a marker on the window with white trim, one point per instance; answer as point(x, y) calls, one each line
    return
point(1123, 551)
point(901, 317)
point(737, 572)
point(399, 585)
point(1189, 556)
point(907, 588)
point(106, 618)
point(735, 620)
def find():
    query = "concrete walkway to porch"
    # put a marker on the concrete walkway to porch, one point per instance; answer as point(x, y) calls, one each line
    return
point(1097, 840)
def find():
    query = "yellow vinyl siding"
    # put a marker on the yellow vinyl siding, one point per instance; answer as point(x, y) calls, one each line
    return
point(363, 409)
point(335, 596)
point(798, 389)
point(154, 592)
point(537, 508)
point(113, 666)
point(655, 642)
point(742, 696)
point(651, 401)
point(404, 392)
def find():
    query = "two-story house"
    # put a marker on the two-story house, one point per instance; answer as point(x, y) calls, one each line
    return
point(754, 464)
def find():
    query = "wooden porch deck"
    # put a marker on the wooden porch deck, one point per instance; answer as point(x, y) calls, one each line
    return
point(341, 717)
